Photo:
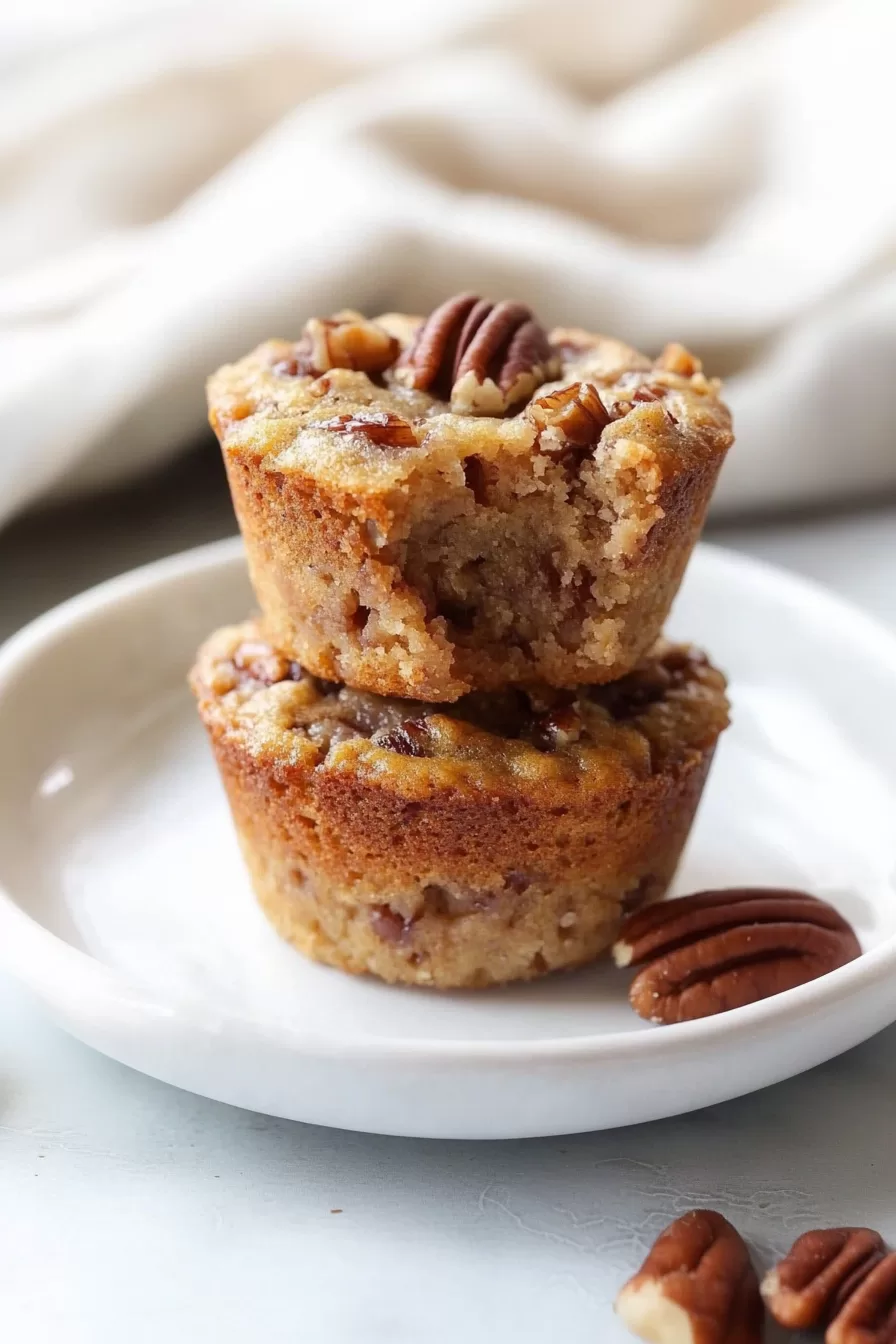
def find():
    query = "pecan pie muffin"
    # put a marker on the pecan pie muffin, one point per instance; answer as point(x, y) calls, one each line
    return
point(495, 838)
point(465, 502)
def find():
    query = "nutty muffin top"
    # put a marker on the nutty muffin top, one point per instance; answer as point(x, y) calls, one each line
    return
point(670, 707)
point(363, 404)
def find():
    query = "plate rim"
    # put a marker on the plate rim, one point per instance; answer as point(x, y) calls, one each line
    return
point(62, 974)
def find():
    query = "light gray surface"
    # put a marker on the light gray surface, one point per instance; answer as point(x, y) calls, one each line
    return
point(135, 1212)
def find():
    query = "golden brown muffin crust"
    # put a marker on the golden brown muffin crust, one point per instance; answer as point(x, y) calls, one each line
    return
point(409, 548)
point(492, 839)
point(452, 755)
point(537, 738)
point(683, 426)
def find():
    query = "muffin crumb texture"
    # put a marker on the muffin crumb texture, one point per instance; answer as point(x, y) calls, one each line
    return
point(466, 503)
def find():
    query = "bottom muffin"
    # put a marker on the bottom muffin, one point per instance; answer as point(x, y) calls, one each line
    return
point(493, 839)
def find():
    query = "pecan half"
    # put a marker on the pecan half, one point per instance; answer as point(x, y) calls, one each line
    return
point(819, 1273)
point(869, 1314)
point(576, 411)
point(432, 356)
point(484, 357)
point(719, 950)
point(381, 427)
point(697, 1286)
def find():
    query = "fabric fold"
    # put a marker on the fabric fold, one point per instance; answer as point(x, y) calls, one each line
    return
point(183, 183)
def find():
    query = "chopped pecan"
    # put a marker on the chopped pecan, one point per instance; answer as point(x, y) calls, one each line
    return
point(718, 950)
point(697, 1286)
point(676, 359)
point(381, 427)
point(558, 728)
point(410, 738)
point(649, 392)
point(819, 1273)
point(868, 1316)
point(576, 411)
point(345, 341)
point(349, 341)
point(485, 357)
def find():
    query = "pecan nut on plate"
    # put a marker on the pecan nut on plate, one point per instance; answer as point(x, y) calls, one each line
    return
point(716, 950)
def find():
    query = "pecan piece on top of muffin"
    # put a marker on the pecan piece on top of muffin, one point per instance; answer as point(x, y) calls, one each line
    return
point(466, 502)
point(459, 845)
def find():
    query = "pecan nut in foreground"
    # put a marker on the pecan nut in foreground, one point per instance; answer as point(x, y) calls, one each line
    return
point(717, 950)
point(697, 1286)
point(483, 357)
point(817, 1276)
point(869, 1314)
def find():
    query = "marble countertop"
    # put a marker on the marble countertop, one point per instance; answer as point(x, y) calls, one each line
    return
point(133, 1211)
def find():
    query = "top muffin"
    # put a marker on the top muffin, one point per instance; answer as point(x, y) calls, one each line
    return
point(464, 502)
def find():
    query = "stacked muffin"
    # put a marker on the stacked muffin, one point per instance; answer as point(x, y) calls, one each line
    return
point(456, 747)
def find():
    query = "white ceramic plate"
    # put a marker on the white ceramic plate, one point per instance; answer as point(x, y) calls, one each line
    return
point(127, 911)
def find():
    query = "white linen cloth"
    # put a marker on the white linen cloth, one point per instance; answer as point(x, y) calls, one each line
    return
point(181, 180)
